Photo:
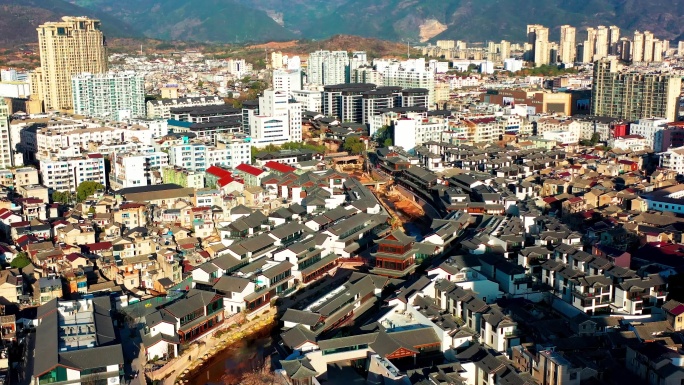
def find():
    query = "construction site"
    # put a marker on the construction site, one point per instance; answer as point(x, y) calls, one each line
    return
point(401, 208)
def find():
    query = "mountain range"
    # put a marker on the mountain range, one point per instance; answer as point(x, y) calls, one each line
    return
point(21, 17)
point(228, 21)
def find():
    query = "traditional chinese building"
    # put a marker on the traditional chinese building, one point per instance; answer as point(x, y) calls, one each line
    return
point(396, 255)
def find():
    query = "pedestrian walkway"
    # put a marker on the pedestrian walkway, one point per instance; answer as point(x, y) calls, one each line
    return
point(130, 343)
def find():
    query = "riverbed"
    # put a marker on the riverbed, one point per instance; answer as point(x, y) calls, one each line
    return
point(228, 366)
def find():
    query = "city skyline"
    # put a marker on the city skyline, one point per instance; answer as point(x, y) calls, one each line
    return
point(449, 213)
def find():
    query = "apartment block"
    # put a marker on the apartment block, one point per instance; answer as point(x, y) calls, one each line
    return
point(161, 109)
point(67, 174)
point(670, 137)
point(648, 129)
point(183, 177)
point(310, 100)
point(411, 78)
point(415, 129)
point(6, 154)
point(279, 120)
point(72, 46)
point(326, 67)
point(112, 95)
point(633, 95)
point(538, 37)
point(287, 80)
point(136, 169)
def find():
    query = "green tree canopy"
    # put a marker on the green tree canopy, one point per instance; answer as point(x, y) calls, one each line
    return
point(383, 135)
point(546, 70)
point(388, 142)
point(20, 261)
point(595, 137)
point(86, 189)
point(61, 197)
point(354, 145)
point(287, 146)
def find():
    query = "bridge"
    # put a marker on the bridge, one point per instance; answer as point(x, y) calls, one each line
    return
point(375, 184)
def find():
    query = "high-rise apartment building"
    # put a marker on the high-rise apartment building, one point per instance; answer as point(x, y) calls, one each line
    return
point(658, 50)
point(358, 59)
point(538, 36)
point(112, 95)
point(680, 48)
point(276, 60)
point(648, 46)
point(135, 169)
point(625, 49)
point(287, 80)
point(614, 40)
point(5, 144)
point(648, 128)
point(69, 47)
point(504, 50)
point(638, 47)
point(589, 45)
point(309, 99)
point(601, 45)
point(279, 120)
point(446, 44)
point(326, 67)
point(567, 48)
point(398, 76)
point(633, 95)
point(67, 173)
point(367, 75)
point(531, 32)
point(334, 96)
point(238, 67)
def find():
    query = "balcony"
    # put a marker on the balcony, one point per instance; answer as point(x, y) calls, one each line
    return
point(527, 279)
point(287, 292)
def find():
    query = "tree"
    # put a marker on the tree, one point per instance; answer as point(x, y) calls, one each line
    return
point(595, 138)
point(86, 189)
point(61, 197)
point(388, 142)
point(20, 261)
point(354, 145)
point(382, 135)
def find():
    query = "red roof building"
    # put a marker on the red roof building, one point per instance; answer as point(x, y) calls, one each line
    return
point(228, 180)
point(251, 170)
point(218, 172)
point(279, 167)
point(95, 247)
